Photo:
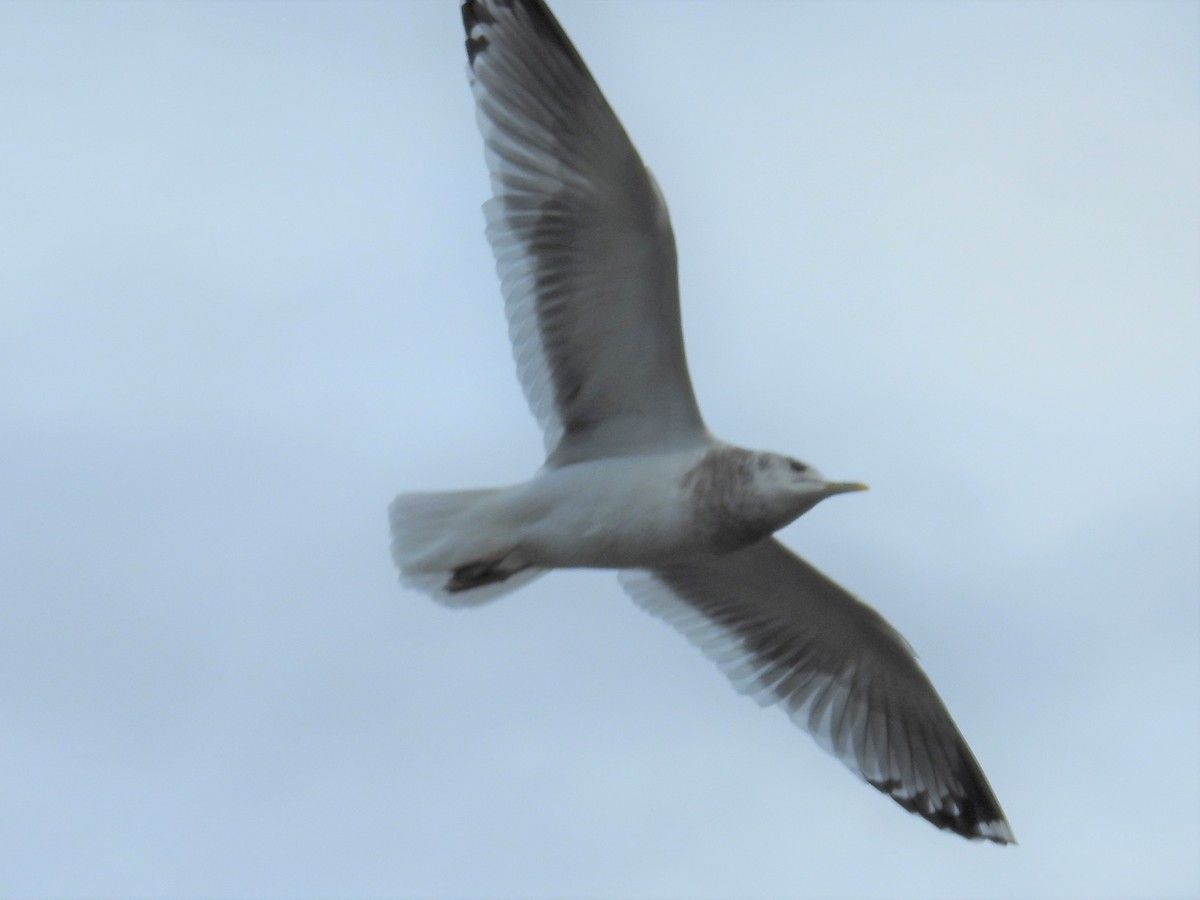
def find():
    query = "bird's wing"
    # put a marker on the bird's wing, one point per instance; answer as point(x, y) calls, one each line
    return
point(583, 245)
point(786, 634)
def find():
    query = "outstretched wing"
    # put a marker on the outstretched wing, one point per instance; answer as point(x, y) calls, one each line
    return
point(583, 245)
point(786, 634)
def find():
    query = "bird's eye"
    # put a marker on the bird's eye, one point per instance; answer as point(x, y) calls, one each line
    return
point(797, 466)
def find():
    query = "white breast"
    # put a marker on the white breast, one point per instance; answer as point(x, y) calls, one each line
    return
point(623, 512)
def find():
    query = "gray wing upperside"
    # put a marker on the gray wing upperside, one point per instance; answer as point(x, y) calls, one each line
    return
point(583, 245)
point(788, 635)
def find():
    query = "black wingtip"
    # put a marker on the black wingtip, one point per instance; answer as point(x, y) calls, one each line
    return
point(475, 13)
point(535, 13)
point(978, 817)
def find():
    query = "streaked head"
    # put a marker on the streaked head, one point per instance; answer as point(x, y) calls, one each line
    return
point(791, 488)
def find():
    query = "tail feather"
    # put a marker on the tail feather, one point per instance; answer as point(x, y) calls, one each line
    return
point(434, 535)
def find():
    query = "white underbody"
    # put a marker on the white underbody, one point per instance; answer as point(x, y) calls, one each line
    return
point(616, 513)
point(624, 512)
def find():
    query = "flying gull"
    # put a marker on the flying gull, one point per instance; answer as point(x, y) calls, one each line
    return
point(633, 480)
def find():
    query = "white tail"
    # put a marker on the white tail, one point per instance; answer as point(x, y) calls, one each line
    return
point(433, 535)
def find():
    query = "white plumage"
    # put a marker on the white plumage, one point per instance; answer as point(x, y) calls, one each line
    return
point(632, 479)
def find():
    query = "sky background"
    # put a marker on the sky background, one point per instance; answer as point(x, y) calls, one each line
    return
point(950, 249)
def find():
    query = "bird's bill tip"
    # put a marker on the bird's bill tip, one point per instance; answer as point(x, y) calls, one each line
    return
point(846, 487)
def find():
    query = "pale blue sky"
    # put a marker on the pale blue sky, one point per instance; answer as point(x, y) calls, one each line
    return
point(950, 249)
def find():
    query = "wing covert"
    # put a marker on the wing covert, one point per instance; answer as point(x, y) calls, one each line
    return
point(788, 635)
point(583, 245)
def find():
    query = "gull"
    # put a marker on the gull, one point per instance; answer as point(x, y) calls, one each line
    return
point(632, 479)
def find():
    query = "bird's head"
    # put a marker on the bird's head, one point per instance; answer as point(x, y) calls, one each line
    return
point(788, 488)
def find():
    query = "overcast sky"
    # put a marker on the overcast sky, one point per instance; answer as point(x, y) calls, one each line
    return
point(949, 249)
